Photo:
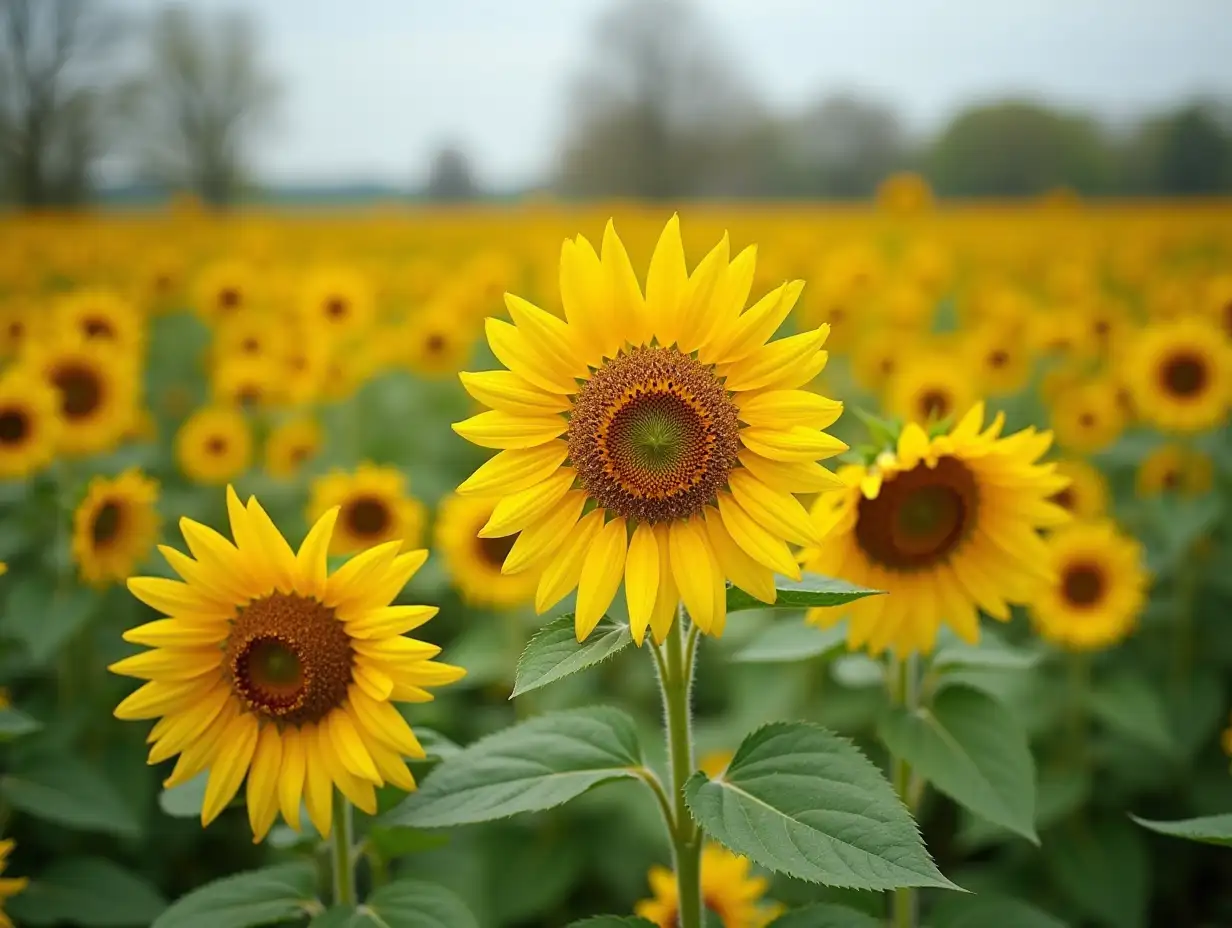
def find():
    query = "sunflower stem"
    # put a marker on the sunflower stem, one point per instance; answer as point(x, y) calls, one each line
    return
point(903, 681)
point(675, 683)
point(342, 845)
point(1079, 667)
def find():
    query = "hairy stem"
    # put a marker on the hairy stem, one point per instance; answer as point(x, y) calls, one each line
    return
point(903, 681)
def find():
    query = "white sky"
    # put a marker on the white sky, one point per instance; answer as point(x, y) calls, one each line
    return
point(372, 87)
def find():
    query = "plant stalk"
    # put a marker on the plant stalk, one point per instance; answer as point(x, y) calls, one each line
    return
point(342, 856)
point(903, 682)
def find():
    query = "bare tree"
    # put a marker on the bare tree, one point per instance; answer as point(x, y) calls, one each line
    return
point(206, 95)
point(56, 62)
point(450, 176)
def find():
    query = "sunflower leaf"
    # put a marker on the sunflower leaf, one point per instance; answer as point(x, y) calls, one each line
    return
point(14, 723)
point(990, 909)
point(809, 592)
point(825, 915)
point(612, 921)
point(793, 640)
point(1210, 829)
point(798, 799)
point(536, 765)
point(404, 904)
point(258, 897)
point(554, 652)
point(973, 749)
point(87, 891)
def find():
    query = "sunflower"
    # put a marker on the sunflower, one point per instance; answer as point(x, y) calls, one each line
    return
point(1086, 497)
point(713, 763)
point(876, 357)
point(101, 316)
point(687, 434)
point(1180, 374)
point(1098, 588)
point(474, 563)
point(1217, 301)
point(9, 886)
point(728, 891)
point(250, 335)
point(337, 300)
point(1088, 416)
point(290, 445)
point(29, 423)
point(97, 391)
point(945, 525)
point(115, 526)
point(438, 341)
point(904, 193)
point(243, 380)
point(214, 445)
point(160, 280)
point(929, 387)
point(269, 667)
point(375, 507)
point(1001, 360)
point(1174, 469)
point(224, 289)
point(19, 325)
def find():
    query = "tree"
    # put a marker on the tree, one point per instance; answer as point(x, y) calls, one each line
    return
point(205, 97)
point(843, 146)
point(1184, 152)
point(450, 176)
point(56, 72)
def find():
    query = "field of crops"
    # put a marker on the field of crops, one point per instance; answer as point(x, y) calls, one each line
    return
point(719, 614)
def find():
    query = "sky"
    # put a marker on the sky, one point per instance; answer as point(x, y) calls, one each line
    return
point(371, 88)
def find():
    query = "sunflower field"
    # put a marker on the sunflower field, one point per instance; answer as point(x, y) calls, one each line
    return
point(760, 565)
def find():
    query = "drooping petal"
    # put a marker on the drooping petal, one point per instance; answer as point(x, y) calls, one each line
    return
point(755, 541)
point(563, 571)
point(641, 579)
point(515, 469)
point(263, 782)
point(601, 574)
point(235, 752)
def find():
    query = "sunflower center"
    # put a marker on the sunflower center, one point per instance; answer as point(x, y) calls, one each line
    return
point(107, 523)
point(653, 435)
point(14, 426)
point(1065, 499)
point(1083, 585)
point(80, 390)
point(493, 551)
point(1184, 375)
point(367, 515)
point(290, 658)
point(435, 343)
point(998, 359)
point(935, 404)
point(96, 327)
point(335, 307)
point(228, 298)
point(920, 516)
point(216, 445)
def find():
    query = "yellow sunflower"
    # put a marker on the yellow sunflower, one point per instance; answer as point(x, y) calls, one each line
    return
point(687, 434)
point(904, 193)
point(98, 392)
point(1174, 469)
point(437, 342)
point(268, 667)
point(946, 526)
point(1098, 588)
point(9, 886)
point(375, 507)
point(244, 380)
point(1088, 416)
point(115, 526)
point(1180, 374)
point(214, 445)
point(474, 563)
point(337, 300)
point(225, 289)
point(1001, 360)
point(929, 387)
point(29, 423)
point(729, 891)
point(1086, 497)
point(876, 357)
point(97, 315)
point(290, 445)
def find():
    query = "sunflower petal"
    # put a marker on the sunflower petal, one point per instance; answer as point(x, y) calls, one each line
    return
point(600, 577)
point(235, 752)
point(755, 541)
point(263, 782)
point(641, 579)
point(508, 392)
point(665, 283)
point(516, 469)
point(779, 513)
point(693, 568)
point(311, 563)
point(497, 429)
point(545, 536)
point(519, 510)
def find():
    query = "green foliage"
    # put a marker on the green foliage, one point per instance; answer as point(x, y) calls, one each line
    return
point(90, 892)
point(14, 723)
point(791, 640)
point(1104, 871)
point(1131, 706)
point(988, 909)
point(69, 792)
point(404, 904)
point(259, 897)
point(825, 915)
point(612, 921)
point(811, 591)
point(802, 801)
point(1209, 829)
point(554, 651)
point(43, 617)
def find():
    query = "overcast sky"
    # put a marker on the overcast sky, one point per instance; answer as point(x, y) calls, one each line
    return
point(372, 87)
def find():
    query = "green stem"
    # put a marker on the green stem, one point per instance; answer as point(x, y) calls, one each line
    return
point(904, 684)
point(342, 846)
point(675, 665)
point(1079, 667)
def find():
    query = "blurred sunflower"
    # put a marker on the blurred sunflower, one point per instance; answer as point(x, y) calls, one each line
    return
point(115, 526)
point(875, 358)
point(713, 763)
point(18, 327)
point(1086, 497)
point(29, 423)
point(929, 387)
point(160, 280)
point(101, 316)
point(729, 892)
point(437, 343)
point(1180, 374)
point(268, 667)
point(1088, 416)
point(224, 289)
point(249, 335)
point(290, 445)
point(1217, 301)
point(97, 390)
point(946, 526)
point(1098, 590)
point(214, 445)
point(687, 432)
point(904, 192)
point(244, 380)
point(474, 563)
point(1174, 468)
point(1002, 361)
point(375, 508)
point(337, 300)
point(9, 886)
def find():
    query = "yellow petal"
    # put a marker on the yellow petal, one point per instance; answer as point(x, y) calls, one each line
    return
point(729, 298)
point(779, 513)
point(564, 570)
point(744, 572)
point(517, 353)
point(550, 337)
point(159, 697)
point(777, 408)
point(350, 747)
point(641, 579)
point(693, 570)
point(263, 782)
point(281, 557)
point(791, 476)
point(390, 620)
point(248, 543)
point(358, 790)
point(318, 785)
point(626, 303)
point(179, 730)
point(667, 600)
point(391, 767)
point(373, 682)
point(582, 295)
point(219, 563)
point(227, 773)
point(360, 569)
point(697, 303)
point(384, 723)
point(311, 564)
point(497, 429)
point(170, 597)
point(178, 633)
point(200, 753)
point(600, 577)
point(913, 445)
point(169, 664)
point(510, 471)
point(665, 283)
point(793, 444)
point(765, 366)
point(545, 536)
point(292, 771)
point(524, 508)
point(763, 547)
point(762, 320)
point(506, 391)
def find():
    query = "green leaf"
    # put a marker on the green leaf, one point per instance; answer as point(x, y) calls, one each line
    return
point(413, 904)
point(533, 766)
point(554, 652)
point(800, 800)
point(995, 657)
point(392, 843)
point(434, 743)
point(1210, 829)
point(343, 917)
point(1131, 705)
point(185, 800)
point(989, 909)
point(794, 640)
point(612, 921)
point(258, 897)
point(68, 792)
point(825, 915)
point(14, 723)
point(1104, 870)
point(974, 750)
point(87, 891)
point(810, 591)
point(43, 618)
